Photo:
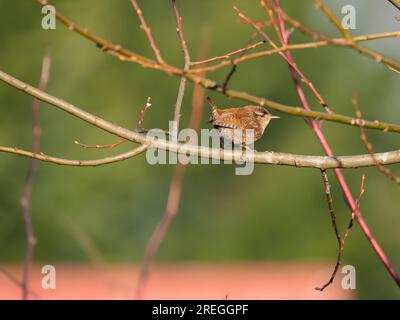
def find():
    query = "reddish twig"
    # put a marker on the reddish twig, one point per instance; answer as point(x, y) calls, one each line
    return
point(186, 57)
point(339, 175)
point(27, 191)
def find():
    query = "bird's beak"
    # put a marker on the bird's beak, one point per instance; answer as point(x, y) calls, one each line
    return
point(275, 117)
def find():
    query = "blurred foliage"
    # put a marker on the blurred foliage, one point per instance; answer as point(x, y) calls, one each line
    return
point(277, 213)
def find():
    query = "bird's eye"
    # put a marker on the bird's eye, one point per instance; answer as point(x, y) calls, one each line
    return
point(259, 114)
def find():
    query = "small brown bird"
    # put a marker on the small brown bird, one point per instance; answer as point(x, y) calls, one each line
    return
point(232, 123)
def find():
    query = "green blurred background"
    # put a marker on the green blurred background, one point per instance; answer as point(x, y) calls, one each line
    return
point(275, 214)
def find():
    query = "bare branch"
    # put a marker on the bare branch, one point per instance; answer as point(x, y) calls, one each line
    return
point(353, 213)
point(329, 200)
point(119, 142)
point(28, 185)
point(99, 146)
point(339, 239)
point(147, 31)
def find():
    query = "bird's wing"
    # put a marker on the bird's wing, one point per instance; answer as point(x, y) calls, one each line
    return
point(226, 119)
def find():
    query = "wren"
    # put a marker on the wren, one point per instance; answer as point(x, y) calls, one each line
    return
point(232, 123)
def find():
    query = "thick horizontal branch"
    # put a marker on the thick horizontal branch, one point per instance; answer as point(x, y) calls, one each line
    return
point(126, 55)
point(304, 161)
point(267, 157)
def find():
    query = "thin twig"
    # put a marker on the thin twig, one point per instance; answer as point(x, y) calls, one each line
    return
point(358, 201)
point(186, 56)
point(119, 142)
point(142, 114)
point(229, 54)
point(340, 240)
point(270, 13)
point(28, 185)
point(329, 200)
point(368, 145)
point(147, 31)
point(99, 146)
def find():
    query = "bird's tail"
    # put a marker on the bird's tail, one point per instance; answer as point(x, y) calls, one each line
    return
point(212, 103)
